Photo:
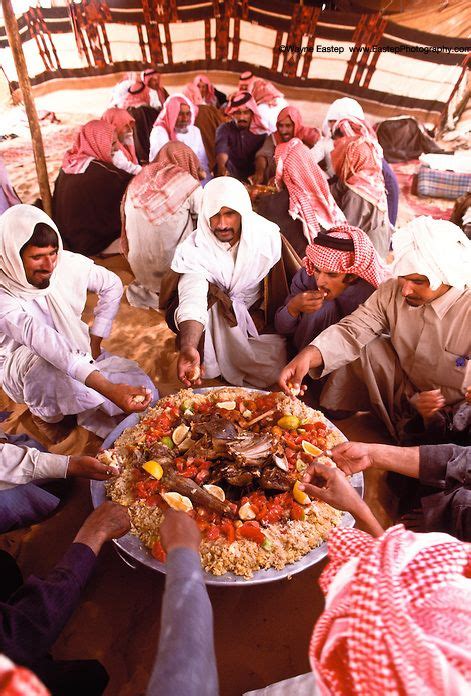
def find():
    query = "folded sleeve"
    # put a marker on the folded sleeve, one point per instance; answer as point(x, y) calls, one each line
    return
point(109, 289)
point(47, 343)
point(19, 465)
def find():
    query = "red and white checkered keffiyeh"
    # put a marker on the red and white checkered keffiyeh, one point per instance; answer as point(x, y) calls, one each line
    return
point(19, 681)
point(210, 94)
point(363, 261)
point(357, 161)
point(310, 199)
point(160, 188)
point(137, 95)
point(120, 119)
point(169, 114)
point(93, 141)
point(397, 617)
point(309, 136)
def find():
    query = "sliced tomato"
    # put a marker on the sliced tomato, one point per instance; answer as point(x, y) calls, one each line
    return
point(158, 552)
point(250, 531)
point(189, 472)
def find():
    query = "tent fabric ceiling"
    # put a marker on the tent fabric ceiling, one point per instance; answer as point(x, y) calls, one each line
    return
point(417, 71)
point(446, 17)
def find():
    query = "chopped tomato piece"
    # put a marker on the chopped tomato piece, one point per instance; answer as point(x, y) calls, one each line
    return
point(213, 532)
point(274, 514)
point(158, 552)
point(297, 512)
point(249, 531)
point(189, 472)
point(228, 529)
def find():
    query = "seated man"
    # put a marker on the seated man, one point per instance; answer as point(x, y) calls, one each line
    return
point(48, 359)
point(445, 468)
point(160, 208)
point(289, 124)
point(409, 345)
point(360, 189)
point(124, 157)
point(176, 121)
point(33, 613)
point(210, 94)
point(88, 190)
point(268, 98)
point(238, 141)
point(322, 150)
point(25, 471)
point(230, 253)
point(342, 269)
point(157, 92)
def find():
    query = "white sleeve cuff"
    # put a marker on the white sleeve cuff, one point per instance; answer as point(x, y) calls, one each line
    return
point(81, 367)
point(47, 465)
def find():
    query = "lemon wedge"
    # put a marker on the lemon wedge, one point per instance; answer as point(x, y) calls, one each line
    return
point(228, 405)
point(154, 469)
point(300, 496)
point(180, 433)
point(178, 502)
point(288, 422)
point(216, 491)
point(311, 449)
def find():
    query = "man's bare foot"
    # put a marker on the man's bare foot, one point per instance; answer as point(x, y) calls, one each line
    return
point(55, 432)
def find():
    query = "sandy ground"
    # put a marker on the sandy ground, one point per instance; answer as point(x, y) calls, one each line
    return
point(262, 633)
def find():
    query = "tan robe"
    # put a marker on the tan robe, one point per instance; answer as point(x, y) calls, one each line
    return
point(393, 351)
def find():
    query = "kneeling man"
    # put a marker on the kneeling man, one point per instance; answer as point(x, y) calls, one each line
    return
point(223, 264)
point(48, 358)
point(408, 348)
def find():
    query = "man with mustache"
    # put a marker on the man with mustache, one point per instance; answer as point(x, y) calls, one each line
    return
point(406, 352)
point(222, 266)
point(341, 270)
point(238, 141)
point(49, 358)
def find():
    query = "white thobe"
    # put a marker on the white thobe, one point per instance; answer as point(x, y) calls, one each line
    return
point(192, 138)
point(39, 368)
point(241, 359)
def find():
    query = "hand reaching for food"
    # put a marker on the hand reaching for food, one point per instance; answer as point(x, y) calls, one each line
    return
point(179, 530)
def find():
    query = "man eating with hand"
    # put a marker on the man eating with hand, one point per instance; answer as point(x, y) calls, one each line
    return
point(341, 270)
point(404, 354)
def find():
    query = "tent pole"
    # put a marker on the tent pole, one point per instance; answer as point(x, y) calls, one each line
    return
point(14, 40)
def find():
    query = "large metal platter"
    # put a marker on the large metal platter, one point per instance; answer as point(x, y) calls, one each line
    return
point(133, 552)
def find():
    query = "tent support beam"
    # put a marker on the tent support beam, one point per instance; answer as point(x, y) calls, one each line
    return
point(14, 40)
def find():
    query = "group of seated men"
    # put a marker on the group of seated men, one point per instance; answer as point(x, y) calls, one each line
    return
point(391, 338)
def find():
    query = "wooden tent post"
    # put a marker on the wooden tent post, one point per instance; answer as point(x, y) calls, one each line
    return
point(14, 40)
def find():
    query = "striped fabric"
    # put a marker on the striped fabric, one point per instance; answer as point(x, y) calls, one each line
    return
point(431, 182)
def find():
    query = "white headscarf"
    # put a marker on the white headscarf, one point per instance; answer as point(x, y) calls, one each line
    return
point(437, 249)
point(63, 295)
point(342, 108)
point(259, 247)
